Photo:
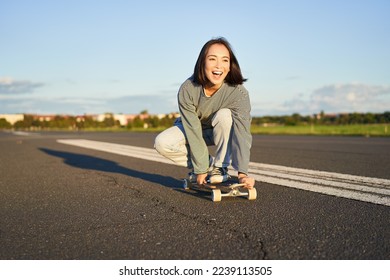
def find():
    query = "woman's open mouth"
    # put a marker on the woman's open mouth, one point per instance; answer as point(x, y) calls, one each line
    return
point(217, 73)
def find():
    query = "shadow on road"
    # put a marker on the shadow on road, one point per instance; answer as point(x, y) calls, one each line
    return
point(99, 164)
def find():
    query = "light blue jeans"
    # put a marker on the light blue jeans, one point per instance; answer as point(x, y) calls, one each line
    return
point(172, 142)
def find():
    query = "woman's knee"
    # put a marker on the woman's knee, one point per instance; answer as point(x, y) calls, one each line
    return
point(161, 142)
point(223, 118)
point(167, 140)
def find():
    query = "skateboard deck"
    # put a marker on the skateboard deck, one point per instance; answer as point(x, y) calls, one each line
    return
point(226, 189)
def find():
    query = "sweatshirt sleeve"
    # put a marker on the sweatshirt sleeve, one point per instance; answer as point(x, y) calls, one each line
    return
point(241, 136)
point(193, 129)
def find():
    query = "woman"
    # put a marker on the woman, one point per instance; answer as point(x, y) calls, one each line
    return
point(215, 110)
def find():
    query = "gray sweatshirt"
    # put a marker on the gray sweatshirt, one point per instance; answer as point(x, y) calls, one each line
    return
point(197, 110)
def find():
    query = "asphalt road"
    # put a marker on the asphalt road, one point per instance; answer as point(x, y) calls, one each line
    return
point(65, 202)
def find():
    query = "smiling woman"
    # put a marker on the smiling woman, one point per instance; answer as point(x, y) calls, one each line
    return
point(217, 67)
point(216, 54)
point(215, 110)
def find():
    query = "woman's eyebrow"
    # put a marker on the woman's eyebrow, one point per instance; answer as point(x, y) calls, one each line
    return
point(213, 55)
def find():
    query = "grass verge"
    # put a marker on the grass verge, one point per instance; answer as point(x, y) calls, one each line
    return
point(343, 130)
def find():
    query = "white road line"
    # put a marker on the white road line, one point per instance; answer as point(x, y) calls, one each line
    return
point(124, 150)
point(23, 133)
point(368, 189)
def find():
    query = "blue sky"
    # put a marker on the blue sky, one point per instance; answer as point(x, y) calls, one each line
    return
point(81, 56)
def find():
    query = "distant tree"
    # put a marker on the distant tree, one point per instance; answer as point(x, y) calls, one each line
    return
point(385, 117)
point(292, 120)
point(369, 118)
point(58, 122)
point(109, 121)
point(152, 121)
point(137, 122)
point(355, 118)
point(4, 124)
point(167, 120)
point(88, 122)
point(26, 123)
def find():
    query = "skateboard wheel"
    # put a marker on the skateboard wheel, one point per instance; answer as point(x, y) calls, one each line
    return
point(252, 194)
point(216, 195)
point(186, 184)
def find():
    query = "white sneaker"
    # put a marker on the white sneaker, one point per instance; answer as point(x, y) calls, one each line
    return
point(219, 175)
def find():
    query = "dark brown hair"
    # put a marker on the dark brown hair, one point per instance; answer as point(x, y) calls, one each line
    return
point(234, 77)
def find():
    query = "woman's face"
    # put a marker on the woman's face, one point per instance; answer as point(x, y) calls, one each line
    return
point(217, 64)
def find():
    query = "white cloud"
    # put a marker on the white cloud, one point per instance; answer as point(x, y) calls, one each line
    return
point(335, 98)
point(10, 86)
point(351, 98)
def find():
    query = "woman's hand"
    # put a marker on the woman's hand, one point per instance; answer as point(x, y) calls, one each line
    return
point(201, 179)
point(245, 179)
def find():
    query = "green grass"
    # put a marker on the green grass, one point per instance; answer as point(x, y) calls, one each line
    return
point(353, 130)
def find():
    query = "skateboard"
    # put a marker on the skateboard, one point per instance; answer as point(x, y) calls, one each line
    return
point(226, 189)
